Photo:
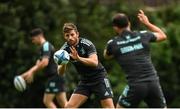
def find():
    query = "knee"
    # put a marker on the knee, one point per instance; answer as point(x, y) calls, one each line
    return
point(69, 105)
point(107, 103)
point(46, 102)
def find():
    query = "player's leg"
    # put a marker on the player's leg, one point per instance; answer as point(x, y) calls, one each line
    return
point(107, 103)
point(104, 92)
point(132, 95)
point(122, 96)
point(60, 91)
point(61, 99)
point(49, 95)
point(53, 86)
point(79, 96)
point(48, 100)
point(155, 98)
point(76, 100)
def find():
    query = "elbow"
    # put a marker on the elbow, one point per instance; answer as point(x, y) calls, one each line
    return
point(43, 65)
point(95, 64)
point(165, 37)
point(161, 37)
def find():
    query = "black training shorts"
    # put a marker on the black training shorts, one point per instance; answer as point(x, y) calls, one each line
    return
point(55, 84)
point(102, 89)
point(150, 92)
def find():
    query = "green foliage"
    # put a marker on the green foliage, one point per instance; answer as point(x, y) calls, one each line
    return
point(93, 18)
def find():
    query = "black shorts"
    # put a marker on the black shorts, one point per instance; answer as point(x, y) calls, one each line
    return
point(150, 92)
point(55, 84)
point(102, 89)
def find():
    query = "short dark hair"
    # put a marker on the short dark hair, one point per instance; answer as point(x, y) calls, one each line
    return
point(36, 32)
point(68, 27)
point(120, 20)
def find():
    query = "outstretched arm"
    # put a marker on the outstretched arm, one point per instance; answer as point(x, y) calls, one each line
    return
point(160, 35)
point(40, 64)
point(92, 60)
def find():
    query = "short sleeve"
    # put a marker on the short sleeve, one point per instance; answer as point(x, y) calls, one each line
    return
point(89, 46)
point(46, 50)
point(149, 36)
point(109, 47)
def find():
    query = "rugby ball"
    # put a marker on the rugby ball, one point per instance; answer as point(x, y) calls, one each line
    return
point(61, 57)
point(19, 83)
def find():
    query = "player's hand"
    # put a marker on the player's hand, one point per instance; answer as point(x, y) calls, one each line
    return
point(74, 54)
point(143, 18)
point(28, 76)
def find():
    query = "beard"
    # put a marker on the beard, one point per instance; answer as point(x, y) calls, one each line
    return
point(73, 42)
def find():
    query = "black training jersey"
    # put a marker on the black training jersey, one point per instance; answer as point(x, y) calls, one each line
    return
point(47, 50)
point(85, 48)
point(132, 51)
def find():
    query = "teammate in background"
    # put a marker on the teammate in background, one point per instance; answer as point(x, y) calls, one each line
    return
point(55, 83)
point(93, 76)
point(132, 52)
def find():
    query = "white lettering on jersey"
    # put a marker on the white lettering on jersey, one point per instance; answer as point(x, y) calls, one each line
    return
point(131, 48)
point(86, 42)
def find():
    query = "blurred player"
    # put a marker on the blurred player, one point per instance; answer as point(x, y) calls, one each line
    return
point(132, 52)
point(55, 83)
point(93, 74)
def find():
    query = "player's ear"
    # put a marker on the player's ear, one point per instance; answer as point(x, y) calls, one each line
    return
point(129, 24)
point(77, 33)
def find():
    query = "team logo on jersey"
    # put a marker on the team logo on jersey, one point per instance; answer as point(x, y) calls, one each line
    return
point(47, 90)
point(55, 90)
point(106, 93)
point(52, 84)
point(82, 51)
point(127, 37)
